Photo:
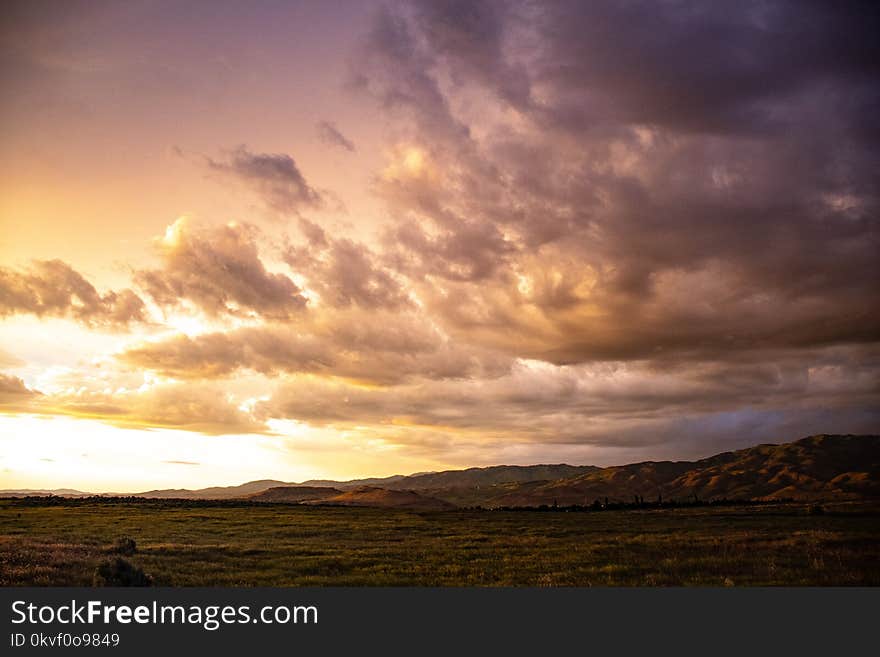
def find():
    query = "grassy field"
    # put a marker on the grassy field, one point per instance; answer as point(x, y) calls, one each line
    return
point(281, 545)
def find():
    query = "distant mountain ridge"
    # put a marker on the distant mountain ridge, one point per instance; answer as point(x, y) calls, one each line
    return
point(813, 468)
point(471, 477)
point(839, 467)
point(215, 492)
point(42, 492)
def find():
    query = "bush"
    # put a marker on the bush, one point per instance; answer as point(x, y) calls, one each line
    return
point(119, 572)
point(125, 545)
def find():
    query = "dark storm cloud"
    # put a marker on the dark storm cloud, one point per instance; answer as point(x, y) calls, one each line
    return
point(610, 404)
point(219, 270)
point(470, 36)
point(52, 288)
point(716, 67)
point(394, 69)
point(274, 177)
point(675, 178)
point(688, 66)
point(329, 134)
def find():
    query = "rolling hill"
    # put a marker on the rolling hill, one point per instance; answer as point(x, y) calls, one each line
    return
point(294, 494)
point(814, 468)
point(822, 467)
point(385, 498)
point(490, 476)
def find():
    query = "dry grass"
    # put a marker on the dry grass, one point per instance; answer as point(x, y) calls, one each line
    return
point(281, 545)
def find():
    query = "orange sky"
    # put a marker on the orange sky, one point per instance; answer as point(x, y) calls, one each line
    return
point(300, 240)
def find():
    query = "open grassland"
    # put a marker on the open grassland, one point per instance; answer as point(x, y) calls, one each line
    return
point(289, 545)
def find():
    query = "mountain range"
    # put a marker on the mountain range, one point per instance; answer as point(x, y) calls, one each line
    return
point(822, 467)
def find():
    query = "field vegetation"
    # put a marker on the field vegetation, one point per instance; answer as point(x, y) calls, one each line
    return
point(189, 543)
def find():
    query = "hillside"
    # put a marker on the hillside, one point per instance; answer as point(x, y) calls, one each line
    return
point(490, 476)
point(384, 498)
point(817, 467)
point(294, 494)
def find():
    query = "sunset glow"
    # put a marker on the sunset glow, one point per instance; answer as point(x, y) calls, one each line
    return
point(338, 240)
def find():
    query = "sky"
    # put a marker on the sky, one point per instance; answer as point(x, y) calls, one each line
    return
point(336, 240)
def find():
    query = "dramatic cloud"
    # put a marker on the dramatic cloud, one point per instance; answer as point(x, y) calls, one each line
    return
point(52, 288)
point(396, 71)
point(274, 177)
point(330, 135)
point(597, 225)
point(205, 409)
point(176, 406)
point(609, 202)
point(345, 273)
point(586, 403)
point(219, 270)
point(375, 347)
point(747, 77)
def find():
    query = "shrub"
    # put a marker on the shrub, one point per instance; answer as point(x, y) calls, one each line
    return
point(119, 572)
point(125, 545)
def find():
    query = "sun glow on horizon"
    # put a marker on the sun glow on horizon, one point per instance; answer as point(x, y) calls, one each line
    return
point(64, 452)
point(54, 451)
